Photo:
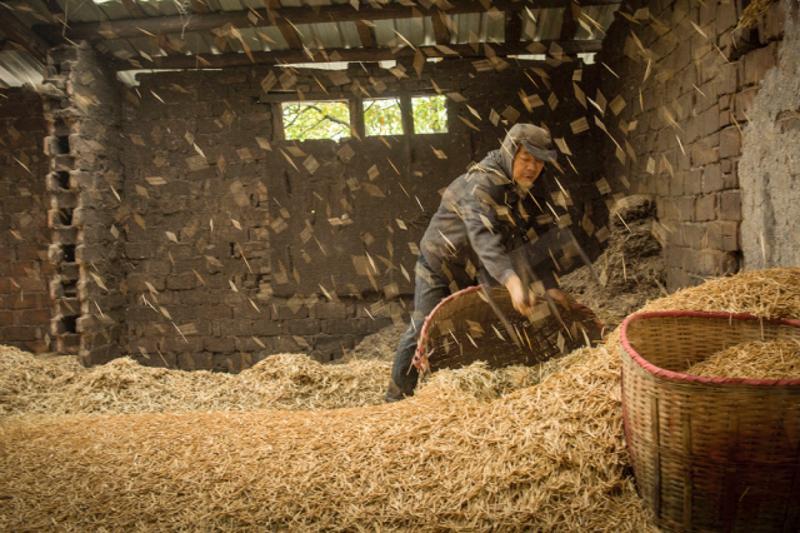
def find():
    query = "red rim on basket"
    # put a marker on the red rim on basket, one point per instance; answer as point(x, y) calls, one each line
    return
point(681, 376)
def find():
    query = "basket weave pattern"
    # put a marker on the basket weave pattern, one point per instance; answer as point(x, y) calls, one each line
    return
point(710, 453)
point(464, 328)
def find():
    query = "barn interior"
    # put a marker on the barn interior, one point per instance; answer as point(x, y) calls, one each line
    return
point(210, 215)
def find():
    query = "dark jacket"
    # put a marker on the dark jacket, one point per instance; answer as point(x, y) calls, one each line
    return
point(484, 216)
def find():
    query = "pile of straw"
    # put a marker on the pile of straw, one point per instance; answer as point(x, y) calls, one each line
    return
point(60, 386)
point(380, 345)
point(545, 457)
point(630, 270)
point(777, 359)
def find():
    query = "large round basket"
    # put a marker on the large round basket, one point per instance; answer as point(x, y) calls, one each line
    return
point(464, 328)
point(710, 454)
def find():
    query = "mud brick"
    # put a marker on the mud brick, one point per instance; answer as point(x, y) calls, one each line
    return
point(705, 151)
point(771, 26)
point(712, 178)
point(139, 250)
point(21, 333)
point(694, 182)
point(730, 205)
point(686, 207)
point(305, 326)
point(219, 344)
point(195, 361)
point(283, 312)
point(709, 121)
point(757, 62)
point(730, 175)
point(333, 310)
point(27, 301)
point(730, 142)
point(6, 319)
point(30, 317)
point(706, 207)
point(184, 281)
point(176, 343)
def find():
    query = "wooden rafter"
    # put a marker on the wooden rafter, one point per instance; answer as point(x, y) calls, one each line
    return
point(137, 27)
point(441, 30)
point(348, 54)
point(569, 24)
point(513, 26)
point(366, 34)
point(284, 24)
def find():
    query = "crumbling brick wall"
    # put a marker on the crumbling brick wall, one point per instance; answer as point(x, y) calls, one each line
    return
point(240, 244)
point(24, 239)
point(88, 284)
point(687, 80)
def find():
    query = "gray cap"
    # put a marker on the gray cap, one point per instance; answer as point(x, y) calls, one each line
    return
point(536, 140)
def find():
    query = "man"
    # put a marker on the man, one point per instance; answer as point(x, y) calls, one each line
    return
point(497, 205)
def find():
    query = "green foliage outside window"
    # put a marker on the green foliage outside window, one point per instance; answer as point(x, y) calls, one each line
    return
point(430, 114)
point(316, 120)
point(330, 119)
point(382, 116)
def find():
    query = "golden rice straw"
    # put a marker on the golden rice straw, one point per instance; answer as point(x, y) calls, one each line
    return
point(777, 359)
point(545, 457)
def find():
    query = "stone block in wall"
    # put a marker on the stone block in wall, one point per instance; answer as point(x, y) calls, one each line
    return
point(712, 178)
point(709, 121)
point(742, 102)
point(757, 62)
point(706, 207)
point(182, 282)
point(686, 207)
point(730, 205)
point(219, 344)
point(304, 326)
point(730, 142)
point(195, 361)
point(725, 17)
point(705, 150)
point(730, 177)
point(723, 235)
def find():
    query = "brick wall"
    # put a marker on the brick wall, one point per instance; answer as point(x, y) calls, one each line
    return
point(85, 181)
point(687, 81)
point(233, 240)
point(24, 238)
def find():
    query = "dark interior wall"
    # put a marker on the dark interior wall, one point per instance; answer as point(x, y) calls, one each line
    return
point(234, 235)
point(687, 81)
point(24, 268)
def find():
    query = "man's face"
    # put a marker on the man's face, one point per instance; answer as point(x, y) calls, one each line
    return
point(526, 168)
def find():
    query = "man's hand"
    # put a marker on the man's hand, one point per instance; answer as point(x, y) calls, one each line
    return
point(520, 296)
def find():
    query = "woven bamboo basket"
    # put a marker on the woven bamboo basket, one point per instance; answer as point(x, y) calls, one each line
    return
point(709, 454)
point(464, 328)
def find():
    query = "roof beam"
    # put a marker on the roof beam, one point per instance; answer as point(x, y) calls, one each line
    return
point(513, 26)
point(366, 34)
point(287, 28)
point(138, 27)
point(348, 54)
point(441, 30)
point(15, 31)
point(569, 23)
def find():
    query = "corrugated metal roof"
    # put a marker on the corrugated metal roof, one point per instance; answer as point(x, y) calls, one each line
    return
point(538, 24)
